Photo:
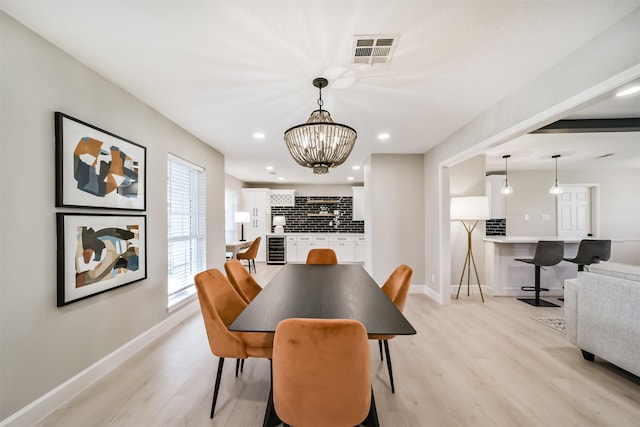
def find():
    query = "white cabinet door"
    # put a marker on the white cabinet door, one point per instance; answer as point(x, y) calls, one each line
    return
point(320, 241)
point(344, 247)
point(360, 248)
point(292, 249)
point(304, 245)
point(255, 201)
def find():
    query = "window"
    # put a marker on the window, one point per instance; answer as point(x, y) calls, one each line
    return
point(186, 227)
point(230, 207)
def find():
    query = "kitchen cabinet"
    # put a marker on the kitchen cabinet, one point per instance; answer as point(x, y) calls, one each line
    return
point(359, 249)
point(344, 247)
point(292, 248)
point(256, 202)
point(282, 198)
point(348, 247)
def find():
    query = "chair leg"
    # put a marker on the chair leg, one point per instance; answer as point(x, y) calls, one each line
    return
point(242, 365)
point(386, 351)
point(537, 285)
point(380, 348)
point(217, 386)
point(372, 416)
point(237, 366)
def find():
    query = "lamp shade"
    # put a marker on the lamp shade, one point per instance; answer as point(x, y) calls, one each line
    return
point(475, 207)
point(242, 217)
point(279, 220)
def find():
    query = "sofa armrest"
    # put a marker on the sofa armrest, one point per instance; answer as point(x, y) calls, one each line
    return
point(571, 309)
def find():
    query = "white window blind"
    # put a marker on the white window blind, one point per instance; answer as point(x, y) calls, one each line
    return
point(186, 220)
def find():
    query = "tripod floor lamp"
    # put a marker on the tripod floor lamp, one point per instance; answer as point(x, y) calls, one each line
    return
point(469, 211)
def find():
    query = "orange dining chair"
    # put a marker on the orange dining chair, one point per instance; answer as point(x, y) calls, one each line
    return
point(221, 305)
point(250, 254)
point(396, 289)
point(242, 281)
point(322, 256)
point(322, 373)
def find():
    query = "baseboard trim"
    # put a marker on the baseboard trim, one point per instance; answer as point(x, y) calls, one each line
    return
point(49, 402)
point(417, 289)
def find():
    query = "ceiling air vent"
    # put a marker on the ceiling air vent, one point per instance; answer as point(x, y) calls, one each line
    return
point(374, 49)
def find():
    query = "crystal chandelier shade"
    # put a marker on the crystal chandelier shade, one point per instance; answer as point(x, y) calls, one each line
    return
point(320, 143)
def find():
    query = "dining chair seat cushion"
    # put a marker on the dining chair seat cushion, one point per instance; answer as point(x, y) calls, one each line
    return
point(321, 372)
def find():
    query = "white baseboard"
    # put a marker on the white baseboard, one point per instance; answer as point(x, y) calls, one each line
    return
point(418, 289)
point(49, 402)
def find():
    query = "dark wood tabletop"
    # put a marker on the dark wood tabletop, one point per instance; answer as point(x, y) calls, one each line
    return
point(343, 291)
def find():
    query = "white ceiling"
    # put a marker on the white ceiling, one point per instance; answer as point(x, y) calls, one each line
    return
point(223, 70)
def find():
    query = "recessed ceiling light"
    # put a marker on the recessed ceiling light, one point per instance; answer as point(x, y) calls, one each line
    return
point(269, 168)
point(281, 178)
point(629, 91)
point(356, 167)
point(350, 178)
point(258, 135)
point(383, 136)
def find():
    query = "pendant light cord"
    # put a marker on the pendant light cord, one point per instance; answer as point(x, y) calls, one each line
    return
point(320, 102)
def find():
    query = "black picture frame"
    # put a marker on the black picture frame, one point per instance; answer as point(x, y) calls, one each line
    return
point(97, 253)
point(96, 168)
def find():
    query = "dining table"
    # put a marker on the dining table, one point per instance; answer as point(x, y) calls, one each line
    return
point(236, 246)
point(340, 291)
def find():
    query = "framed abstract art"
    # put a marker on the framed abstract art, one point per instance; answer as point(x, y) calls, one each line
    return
point(96, 168)
point(98, 253)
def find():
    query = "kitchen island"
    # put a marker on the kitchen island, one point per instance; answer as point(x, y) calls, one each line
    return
point(504, 276)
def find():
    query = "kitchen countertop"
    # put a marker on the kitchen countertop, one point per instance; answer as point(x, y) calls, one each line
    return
point(528, 239)
point(315, 234)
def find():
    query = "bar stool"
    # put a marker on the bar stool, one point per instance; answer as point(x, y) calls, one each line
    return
point(548, 253)
point(591, 252)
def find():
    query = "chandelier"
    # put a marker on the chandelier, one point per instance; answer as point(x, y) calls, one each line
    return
point(320, 143)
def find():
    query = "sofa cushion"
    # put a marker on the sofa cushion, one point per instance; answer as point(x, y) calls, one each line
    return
point(614, 269)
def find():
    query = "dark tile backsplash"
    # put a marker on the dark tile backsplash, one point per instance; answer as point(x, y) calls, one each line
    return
point(298, 220)
point(496, 227)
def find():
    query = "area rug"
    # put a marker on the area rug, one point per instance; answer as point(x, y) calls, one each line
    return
point(556, 323)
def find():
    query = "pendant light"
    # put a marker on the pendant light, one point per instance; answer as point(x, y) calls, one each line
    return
point(320, 143)
point(556, 189)
point(506, 188)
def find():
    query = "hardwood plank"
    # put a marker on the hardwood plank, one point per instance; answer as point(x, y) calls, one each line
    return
point(471, 364)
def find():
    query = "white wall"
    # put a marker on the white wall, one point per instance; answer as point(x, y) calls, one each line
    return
point(42, 346)
point(604, 63)
point(619, 204)
point(394, 214)
point(312, 190)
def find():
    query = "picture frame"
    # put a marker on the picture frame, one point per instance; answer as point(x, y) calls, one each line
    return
point(98, 253)
point(96, 168)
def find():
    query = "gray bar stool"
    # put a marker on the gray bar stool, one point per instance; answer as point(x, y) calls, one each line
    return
point(548, 253)
point(590, 252)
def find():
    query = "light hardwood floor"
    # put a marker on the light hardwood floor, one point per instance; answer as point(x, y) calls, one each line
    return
point(471, 364)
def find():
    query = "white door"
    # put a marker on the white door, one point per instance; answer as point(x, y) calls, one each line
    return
point(574, 212)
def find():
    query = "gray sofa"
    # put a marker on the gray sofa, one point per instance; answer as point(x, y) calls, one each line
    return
point(602, 312)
